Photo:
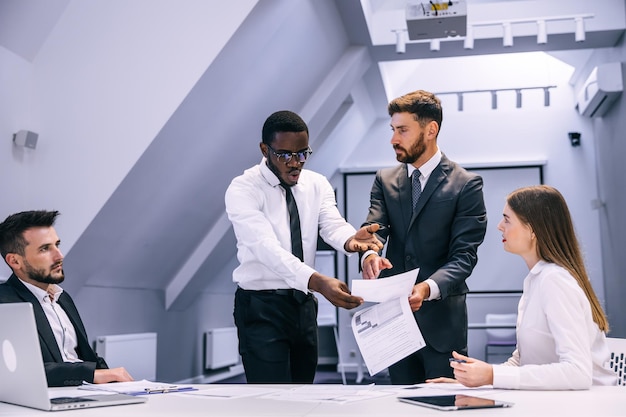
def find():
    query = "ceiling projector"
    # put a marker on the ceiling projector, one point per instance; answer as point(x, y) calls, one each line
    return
point(435, 20)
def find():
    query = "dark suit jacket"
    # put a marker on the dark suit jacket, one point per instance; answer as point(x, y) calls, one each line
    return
point(442, 239)
point(58, 373)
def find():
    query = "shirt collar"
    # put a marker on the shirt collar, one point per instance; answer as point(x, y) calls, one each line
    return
point(427, 168)
point(539, 266)
point(43, 295)
point(267, 173)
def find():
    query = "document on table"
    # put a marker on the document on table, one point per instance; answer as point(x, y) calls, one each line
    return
point(386, 332)
point(142, 387)
point(455, 387)
point(328, 393)
point(232, 391)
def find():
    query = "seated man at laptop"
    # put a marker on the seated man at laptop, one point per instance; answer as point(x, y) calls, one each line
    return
point(30, 246)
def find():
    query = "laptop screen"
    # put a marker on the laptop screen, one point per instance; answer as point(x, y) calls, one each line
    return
point(22, 375)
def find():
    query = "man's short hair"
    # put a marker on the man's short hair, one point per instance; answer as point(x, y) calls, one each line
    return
point(424, 106)
point(282, 121)
point(13, 227)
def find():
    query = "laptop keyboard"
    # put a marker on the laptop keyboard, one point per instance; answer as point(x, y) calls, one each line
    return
point(66, 400)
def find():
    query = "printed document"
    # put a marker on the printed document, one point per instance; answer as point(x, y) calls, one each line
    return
point(142, 387)
point(385, 289)
point(386, 332)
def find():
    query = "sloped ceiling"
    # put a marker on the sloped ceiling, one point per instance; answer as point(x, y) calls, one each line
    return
point(25, 25)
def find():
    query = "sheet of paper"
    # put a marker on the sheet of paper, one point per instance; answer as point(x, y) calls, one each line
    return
point(385, 289)
point(328, 393)
point(444, 389)
point(232, 391)
point(136, 387)
point(454, 386)
point(386, 333)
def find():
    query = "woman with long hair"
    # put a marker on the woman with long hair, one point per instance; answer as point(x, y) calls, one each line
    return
point(561, 327)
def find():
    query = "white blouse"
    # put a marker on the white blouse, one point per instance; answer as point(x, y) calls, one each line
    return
point(559, 346)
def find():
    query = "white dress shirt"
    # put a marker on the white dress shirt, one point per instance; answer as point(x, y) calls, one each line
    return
point(61, 325)
point(256, 206)
point(559, 346)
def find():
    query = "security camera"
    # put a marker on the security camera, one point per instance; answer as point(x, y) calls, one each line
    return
point(574, 138)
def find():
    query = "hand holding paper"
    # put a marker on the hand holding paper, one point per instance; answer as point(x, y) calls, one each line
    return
point(381, 290)
point(386, 332)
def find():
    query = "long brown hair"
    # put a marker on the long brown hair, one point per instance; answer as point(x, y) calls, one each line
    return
point(544, 209)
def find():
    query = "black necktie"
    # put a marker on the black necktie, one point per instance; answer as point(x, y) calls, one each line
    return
point(417, 187)
point(294, 224)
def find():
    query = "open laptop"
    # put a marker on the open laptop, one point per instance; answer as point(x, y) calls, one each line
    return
point(22, 375)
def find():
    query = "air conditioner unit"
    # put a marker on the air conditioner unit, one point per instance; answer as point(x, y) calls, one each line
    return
point(438, 19)
point(603, 86)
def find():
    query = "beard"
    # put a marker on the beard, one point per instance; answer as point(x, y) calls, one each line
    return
point(39, 275)
point(409, 156)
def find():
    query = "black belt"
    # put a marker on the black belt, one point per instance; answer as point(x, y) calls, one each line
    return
point(289, 292)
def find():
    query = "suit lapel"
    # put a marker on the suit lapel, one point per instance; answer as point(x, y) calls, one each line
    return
point(405, 194)
point(43, 327)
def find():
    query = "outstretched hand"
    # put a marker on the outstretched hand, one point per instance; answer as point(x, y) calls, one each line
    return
point(365, 239)
point(335, 291)
point(373, 264)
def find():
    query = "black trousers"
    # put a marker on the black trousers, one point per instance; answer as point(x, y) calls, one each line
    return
point(424, 364)
point(277, 335)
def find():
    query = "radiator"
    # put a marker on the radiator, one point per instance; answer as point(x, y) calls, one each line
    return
point(136, 352)
point(221, 348)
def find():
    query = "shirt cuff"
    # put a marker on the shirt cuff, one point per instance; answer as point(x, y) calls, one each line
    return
point(365, 255)
point(506, 377)
point(435, 293)
point(302, 278)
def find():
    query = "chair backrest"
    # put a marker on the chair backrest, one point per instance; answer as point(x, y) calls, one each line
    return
point(617, 362)
point(501, 335)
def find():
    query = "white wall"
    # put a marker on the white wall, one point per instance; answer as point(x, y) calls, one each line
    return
point(16, 102)
point(106, 80)
point(611, 150)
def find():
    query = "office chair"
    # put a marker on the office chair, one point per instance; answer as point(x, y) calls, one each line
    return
point(500, 337)
point(617, 362)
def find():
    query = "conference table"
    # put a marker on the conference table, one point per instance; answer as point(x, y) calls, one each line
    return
point(596, 402)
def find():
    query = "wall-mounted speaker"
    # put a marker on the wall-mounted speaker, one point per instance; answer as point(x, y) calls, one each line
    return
point(26, 138)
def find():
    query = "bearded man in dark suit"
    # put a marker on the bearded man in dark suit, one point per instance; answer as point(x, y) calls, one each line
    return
point(30, 246)
point(432, 215)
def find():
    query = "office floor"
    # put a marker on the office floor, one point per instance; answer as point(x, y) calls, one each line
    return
point(327, 374)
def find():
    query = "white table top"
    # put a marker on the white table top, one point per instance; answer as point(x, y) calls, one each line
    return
point(599, 401)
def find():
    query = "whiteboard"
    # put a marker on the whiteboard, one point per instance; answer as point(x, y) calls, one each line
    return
point(496, 270)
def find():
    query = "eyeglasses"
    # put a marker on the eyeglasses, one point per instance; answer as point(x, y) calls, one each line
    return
point(286, 157)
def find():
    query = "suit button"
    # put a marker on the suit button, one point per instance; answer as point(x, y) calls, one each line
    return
point(408, 257)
